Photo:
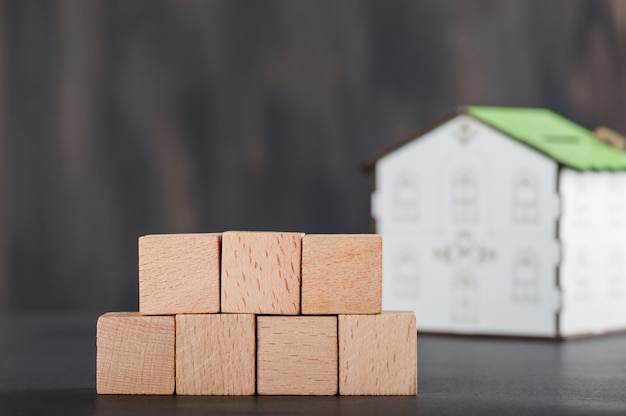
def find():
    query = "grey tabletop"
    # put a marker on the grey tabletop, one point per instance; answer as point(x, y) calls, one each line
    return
point(47, 366)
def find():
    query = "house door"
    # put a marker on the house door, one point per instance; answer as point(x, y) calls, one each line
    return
point(465, 300)
point(466, 252)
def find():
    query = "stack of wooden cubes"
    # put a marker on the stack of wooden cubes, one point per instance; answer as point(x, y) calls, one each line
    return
point(240, 313)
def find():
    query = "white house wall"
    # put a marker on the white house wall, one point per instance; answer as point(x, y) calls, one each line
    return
point(468, 218)
point(593, 233)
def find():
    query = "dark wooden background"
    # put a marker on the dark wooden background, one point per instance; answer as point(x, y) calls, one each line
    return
point(123, 118)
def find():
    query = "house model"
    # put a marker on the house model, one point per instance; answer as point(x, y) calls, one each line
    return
point(504, 221)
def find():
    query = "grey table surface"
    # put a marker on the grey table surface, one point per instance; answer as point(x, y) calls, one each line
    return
point(47, 366)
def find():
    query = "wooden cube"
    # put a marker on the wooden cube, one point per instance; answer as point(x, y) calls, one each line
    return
point(342, 274)
point(261, 272)
point(297, 355)
point(179, 273)
point(215, 354)
point(378, 354)
point(135, 354)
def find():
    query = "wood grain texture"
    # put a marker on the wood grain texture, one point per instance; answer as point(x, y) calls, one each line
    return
point(297, 355)
point(215, 354)
point(179, 273)
point(261, 272)
point(342, 274)
point(378, 354)
point(135, 354)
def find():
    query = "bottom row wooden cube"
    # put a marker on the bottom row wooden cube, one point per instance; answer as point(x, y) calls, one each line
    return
point(378, 354)
point(236, 354)
point(215, 354)
point(297, 355)
point(135, 354)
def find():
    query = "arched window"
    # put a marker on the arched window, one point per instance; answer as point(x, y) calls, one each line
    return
point(616, 272)
point(581, 208)
point(406, 274)
point(465, 298)
point(581, 287)
point(464, 196)
point(406, 198)
point(526, 278)
point(525, 199)
point(615, 205)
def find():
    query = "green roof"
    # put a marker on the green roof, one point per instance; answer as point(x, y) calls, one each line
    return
point(559, 138)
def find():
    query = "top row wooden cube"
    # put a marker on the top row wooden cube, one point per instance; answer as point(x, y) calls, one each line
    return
point(179, 273)
point(260, 272)
point(341, 274)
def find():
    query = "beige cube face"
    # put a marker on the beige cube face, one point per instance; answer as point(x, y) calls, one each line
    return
point(297, 355)
point(261, 272)
point(378, 354)
point(179, 273)
point(135, 354)
point(215, 354)
point(342, 274)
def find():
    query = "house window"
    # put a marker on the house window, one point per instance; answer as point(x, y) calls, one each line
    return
point(464, 196)
point(525, 278)
point(615, 207)
point(465, 298)
point(615, 182)
point(616, 271)
point(581, 209)
point(615, 210)
point(406, 274)
point(525, 199)
point(581, 287)
point(405, 198)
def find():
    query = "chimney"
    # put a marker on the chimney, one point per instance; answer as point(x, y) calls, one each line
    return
point(610, 137)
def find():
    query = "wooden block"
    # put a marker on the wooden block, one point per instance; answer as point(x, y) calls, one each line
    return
point(378, 354)
point(135, 354)
point(261, 272)
point(215, 354)
point(179, 273)
point(297, 355)
point(342, 274)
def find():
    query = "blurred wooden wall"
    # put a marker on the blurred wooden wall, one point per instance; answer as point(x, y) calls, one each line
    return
point(122, 118)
